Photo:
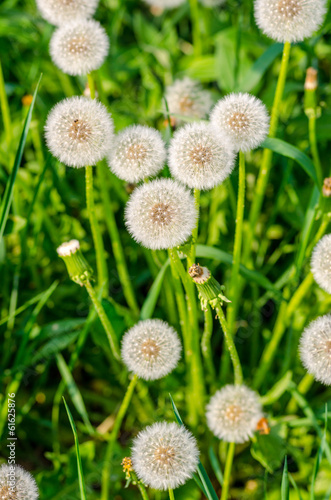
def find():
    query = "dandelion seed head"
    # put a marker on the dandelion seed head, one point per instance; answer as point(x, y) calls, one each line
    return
point(233, 413)
point(165, 455)
point(289, 20)
point(187, 98)
point(64, 11)
point(79, 47)
point(198, 157)
point(138, 152)
point(25, 487)
point(315, 349)
point(165, 4)
point(151, 349)
point(161, 214)
point(79, 131)
point(321, 263)
point(242, 119)
point(68, 248)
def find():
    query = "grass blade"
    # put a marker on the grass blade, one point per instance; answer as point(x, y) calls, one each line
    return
point(148, 307)
point(285, 489)
point(295, 486)
point(319, 457)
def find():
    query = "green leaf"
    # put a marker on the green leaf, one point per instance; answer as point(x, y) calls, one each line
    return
point(277, 390)
point(255, 73)
point(148, 307)
point(269, 449)
point(215, 465)
point(295, 486)
point(285, 489)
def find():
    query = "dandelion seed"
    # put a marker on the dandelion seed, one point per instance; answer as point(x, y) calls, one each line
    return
point(79, 47)
point(198, 157)
point(165, 4)
point(242, 119)
point(289, 20)
point(165, 455)
point(63, 11)
point(321, 263)
point(138, 152)
point(187, 97)
point(233, 413)
point(151, 349)
point(79, 131)
point(17, 484)
point(315, 349)
point(161, 214)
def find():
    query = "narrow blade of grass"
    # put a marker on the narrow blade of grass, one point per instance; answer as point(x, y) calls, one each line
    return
point(148, 307)
point(285, 488)
point(319, 457)
point(295, 486)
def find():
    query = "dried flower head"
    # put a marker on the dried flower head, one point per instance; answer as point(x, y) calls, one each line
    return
point(326, 190)
point(165, 4)
point(64, 11)
point(321, 263)
point(161, 214)
point(79, 47)
point(315, 349)
point(187, 98)
point(311, 81)
point(165, 455)
point(79, 131)
point(289, 20)
point(233, 413)
point(17, 484)
point(242, 119)
point(138, 152)
point(151, 349)
point(198, 157)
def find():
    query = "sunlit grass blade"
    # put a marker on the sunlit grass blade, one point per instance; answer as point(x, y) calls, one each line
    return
point(285, 488)
point(153, 294)
point(215, 465)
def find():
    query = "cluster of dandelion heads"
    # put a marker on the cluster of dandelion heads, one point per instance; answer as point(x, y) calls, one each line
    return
point(242, 119)
point(79, 47)
point(79, 131)
point(165, 4)
point(138, 152)
point(151, 349)
point(198, 157)
point(63, 11)
point(25, 487)
point(321, 263)
point(165, 455)
point(289, 20)
point(161, 214)
point(315, 349)
point(187, 98)
point(233, 413)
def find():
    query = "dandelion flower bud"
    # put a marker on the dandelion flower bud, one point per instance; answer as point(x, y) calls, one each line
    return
point(78, 268)
point(138, 152)
point(151, 349)
point(161, 214)
point(315, 349)
point(242, 119)
point(198, 157)
point(321, 263)
point(233, 413)
point(64, 11)
point(79, 47)
point(165, 455)
point(187, 98)
point(289, 20)
point(17, 483)
point(326, 189)
point(79, 131)
point(165, 4)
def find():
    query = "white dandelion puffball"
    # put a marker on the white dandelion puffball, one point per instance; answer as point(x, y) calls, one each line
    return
point(198, 157)
point(17, 484)
point(165, 4)
point(79, 47)
point(321, 263)
point(138, 152)
point(79, 131)
point(63, 11)
point(315, 349)
point(187, 97)
point(165, 455)
point(233, 413)
point(151, 349)
point(161, 214)
point(242, 119)
point(289, 20)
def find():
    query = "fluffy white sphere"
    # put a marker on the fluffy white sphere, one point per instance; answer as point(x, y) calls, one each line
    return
point(151, 349)
point(187, 97)
point(165, 455)
point(165, 4)
point(315, 349)
point(138, 152)
point(321, 263)
point(79, 131)
point(23, 484)
point(289, 20)
point(242, 119)
point(64, 11)
point(79, 47)
point(199, 157)
point(161, 214)
point(233, 413)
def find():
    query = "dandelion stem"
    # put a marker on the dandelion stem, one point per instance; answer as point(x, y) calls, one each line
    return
point(191, 257)
point(227, 471)
point(142, 490)
point(238, 375)
point(206, 345)
point(91, 85)
point(313, 146)
point(106, 470)
point(5, 109)
point(196, 33)
point(303, 387)
point(171, 494)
